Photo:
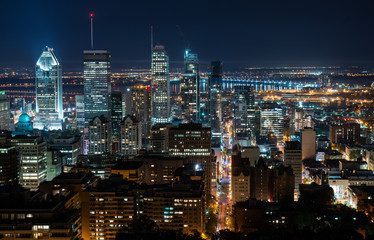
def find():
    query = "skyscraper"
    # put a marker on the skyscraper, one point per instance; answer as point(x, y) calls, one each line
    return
point(272, 121)
point(6, 119)
point(215, 89)
point(48, 83)
point(160, 91)
point(204, 96)
point(116, 114)
point(96, 83)
point(190, 88)
point(244, 114)
point(140, 108)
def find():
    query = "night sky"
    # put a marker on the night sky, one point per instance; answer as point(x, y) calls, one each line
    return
point(241, 33)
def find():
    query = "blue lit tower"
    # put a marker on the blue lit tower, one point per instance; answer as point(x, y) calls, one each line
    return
point(190, 88)
point(48, 83)
point(160, 91)
point(215, 106)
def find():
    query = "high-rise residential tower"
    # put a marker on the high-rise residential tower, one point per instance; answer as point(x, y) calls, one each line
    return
point(244, 114)
point(100, 141)
point(48, 83)
point(97, 86)
point(79, 111)
point(190, 88)
point(215, 108)
point(131, 136)
point(140, 108)
point(160, 90)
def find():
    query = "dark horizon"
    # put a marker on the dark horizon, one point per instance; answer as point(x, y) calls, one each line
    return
point(240, 33)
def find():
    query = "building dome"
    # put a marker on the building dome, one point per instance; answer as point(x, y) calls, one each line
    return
point(24, 118)
point(24, 122)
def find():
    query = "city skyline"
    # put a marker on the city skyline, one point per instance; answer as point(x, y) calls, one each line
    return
point(248, 34)
point(193, 141)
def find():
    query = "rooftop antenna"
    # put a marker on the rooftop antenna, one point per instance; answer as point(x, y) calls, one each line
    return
point(151, 39)
point(91, 17)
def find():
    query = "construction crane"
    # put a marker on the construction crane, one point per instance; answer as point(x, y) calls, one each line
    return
point(186, 46)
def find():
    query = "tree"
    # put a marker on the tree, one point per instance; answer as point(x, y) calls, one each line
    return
point(211, 225)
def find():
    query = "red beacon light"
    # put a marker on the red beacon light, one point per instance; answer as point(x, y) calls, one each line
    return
point(91, 15)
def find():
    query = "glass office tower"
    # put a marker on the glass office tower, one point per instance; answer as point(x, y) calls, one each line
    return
point(190, 88)
point(48, 84)
point(272, 120)
point(160, 92)
point(244, 115)
point(116, 114)
point(97, 86)
point(215, 92)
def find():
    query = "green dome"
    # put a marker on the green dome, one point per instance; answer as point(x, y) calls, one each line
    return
point(24, 118)
point(24, 122)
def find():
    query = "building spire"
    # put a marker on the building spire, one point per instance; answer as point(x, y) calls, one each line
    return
point(91, 17)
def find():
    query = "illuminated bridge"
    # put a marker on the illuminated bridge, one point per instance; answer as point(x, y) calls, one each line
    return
point(259, 84)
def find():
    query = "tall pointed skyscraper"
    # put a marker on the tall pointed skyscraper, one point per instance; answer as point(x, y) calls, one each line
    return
point(48, 82)
point(190, 88)
point(160, 92)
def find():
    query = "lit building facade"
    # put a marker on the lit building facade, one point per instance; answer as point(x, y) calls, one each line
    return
point(159, 141)
point(293, 158)
point(33, 165)
point(140, 108)
point(116, 114)
point(308, 143)
point(79, 112)
point(70, 146)
point(97, 86)
point(160, 90)
point(131, 136)
point(9, 165)
point(6, 119)
point(190, 88)
point(348, 133)
point(175, 210)
point(54, 163)
point(272, 121)
point(104, 213)
point(48, 85)
point(204, 102)
point(215, 106)
point(99, 136)
point(192, 141)
point(244, 114)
